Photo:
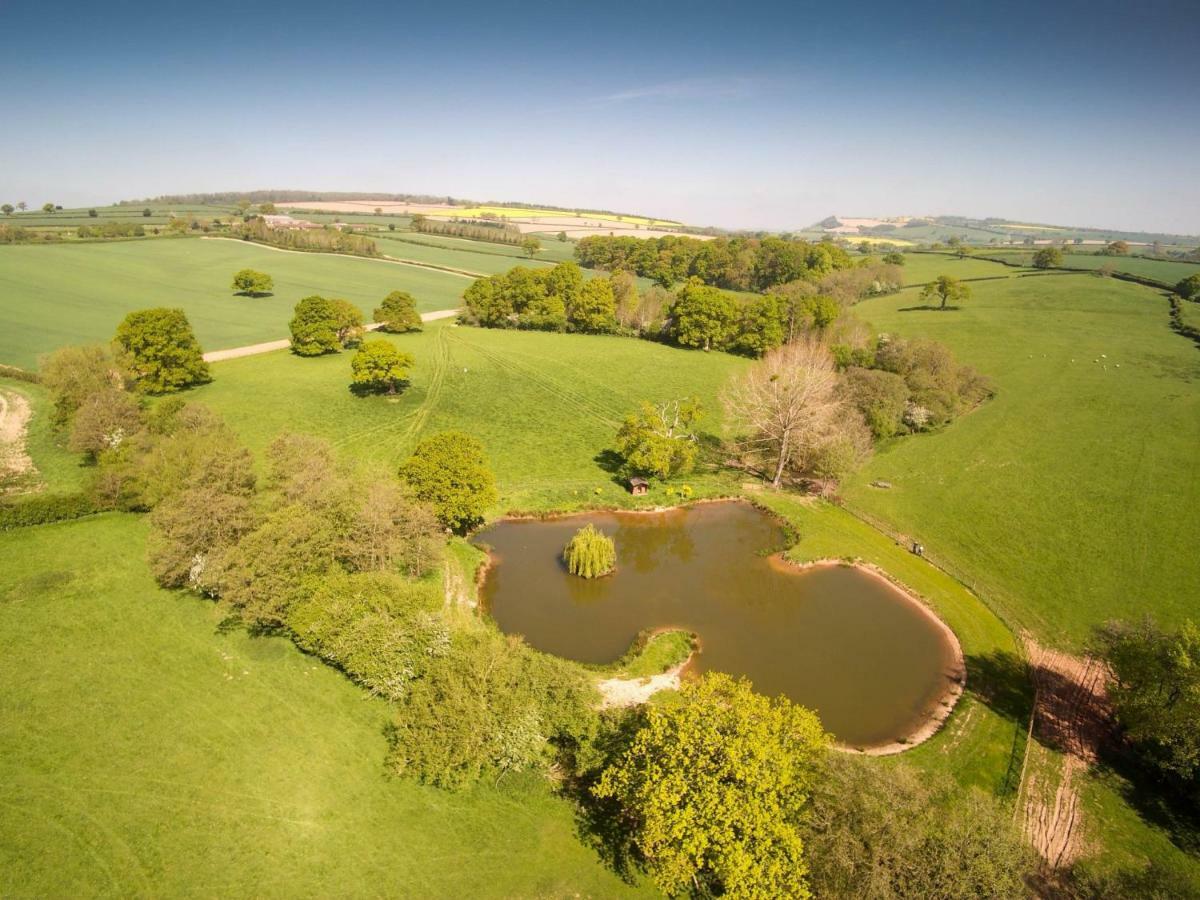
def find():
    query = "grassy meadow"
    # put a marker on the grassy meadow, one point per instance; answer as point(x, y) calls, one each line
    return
point(1066, 500)
point(147, 752)
point(514, 390)
point(921, 268)
point(53, 295)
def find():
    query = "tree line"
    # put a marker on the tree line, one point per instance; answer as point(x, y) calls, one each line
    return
point(738, 263)
point(328, 240)
point(475, 231)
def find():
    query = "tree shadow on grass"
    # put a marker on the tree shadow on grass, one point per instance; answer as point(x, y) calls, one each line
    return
point(928, 308)
point(365, 390)
point(254, 294)
point(602, 824)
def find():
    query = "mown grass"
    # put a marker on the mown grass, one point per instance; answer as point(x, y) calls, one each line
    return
point(55, 295)
point(545, 406)
point(1069, 498)
point(146, 751)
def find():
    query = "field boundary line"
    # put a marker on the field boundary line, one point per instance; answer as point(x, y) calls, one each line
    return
point(395, 261)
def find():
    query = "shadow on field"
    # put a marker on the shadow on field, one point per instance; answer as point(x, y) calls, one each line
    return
point(601, 824)
point(928, 308)
point(1003, 683)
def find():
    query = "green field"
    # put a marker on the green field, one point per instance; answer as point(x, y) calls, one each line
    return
point(552, 250)
point(920, 268)
point(1167, 271)
point(54, 295)
point(512, 389)
point(1068, 499)
point(147, 752)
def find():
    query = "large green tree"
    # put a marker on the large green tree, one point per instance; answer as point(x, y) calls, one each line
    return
point(252, 283)
point(1047, 258)
point(158, 348)
point(594, 308)
point(450, 472)
point(314, 327)
point(398, 313)
point(379, 367)
point(714, 788)
point(702, 316)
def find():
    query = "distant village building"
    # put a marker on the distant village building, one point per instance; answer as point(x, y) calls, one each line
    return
point(639, 486)
point(288, 222)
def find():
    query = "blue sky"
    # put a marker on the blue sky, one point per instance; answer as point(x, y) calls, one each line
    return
point(767, 115)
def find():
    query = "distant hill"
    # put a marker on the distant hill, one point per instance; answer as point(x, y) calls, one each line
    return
point(939, 229)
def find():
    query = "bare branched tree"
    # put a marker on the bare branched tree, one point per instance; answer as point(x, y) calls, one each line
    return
point(786, 402)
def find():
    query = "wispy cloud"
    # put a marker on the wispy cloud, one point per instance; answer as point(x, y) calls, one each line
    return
point(682, 89)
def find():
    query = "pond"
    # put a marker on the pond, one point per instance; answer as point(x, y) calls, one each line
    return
point(873, 662)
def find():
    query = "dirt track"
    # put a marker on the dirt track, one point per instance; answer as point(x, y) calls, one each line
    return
point(268, 346)
point(1070, 716)
point(14, 415)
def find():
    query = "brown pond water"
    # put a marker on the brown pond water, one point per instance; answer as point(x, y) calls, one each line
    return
point(836, 639)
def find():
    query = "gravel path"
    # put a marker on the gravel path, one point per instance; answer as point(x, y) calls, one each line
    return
point(268, 346)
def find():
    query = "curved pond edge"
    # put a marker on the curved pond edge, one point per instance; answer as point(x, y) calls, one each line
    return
point(956, 676)
point(937, 714)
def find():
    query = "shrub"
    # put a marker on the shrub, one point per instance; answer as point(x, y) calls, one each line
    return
point(1189, 288)
point(590, 553)
point(43, 509)
point(383, 631)
point(489, 706)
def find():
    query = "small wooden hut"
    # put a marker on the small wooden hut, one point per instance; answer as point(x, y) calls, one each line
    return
point(638, 486)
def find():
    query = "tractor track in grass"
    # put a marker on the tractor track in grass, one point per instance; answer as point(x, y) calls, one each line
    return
point(574, 399)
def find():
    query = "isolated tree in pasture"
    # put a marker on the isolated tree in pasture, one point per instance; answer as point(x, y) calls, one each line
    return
point(1047, 258)
point(593, 310)
point(72, 374)
point(1116, 248)
point(703, 316)
point(946, 289)
point(716, 788)
point(379, 210)
point(146, 212)
point(22, 206)
point(252, 283)
point(450, 472)
point(1155, 692)
point(160, 351)
point(562, 236)
point(530, 246)
point(314, 327)
point(7, 209)
point(93, 213)
point(786, 403)
point(378, 367)
point(48, 208)
point(398, 313)
point(1189, 288)
point(104, 421)
point(267, 209)
point(659, 441)
point(894, 259)
point(590, 553)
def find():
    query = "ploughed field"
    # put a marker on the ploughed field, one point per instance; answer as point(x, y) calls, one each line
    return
point(841, 641)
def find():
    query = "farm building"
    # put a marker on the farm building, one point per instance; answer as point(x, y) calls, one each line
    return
point(638, 486)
